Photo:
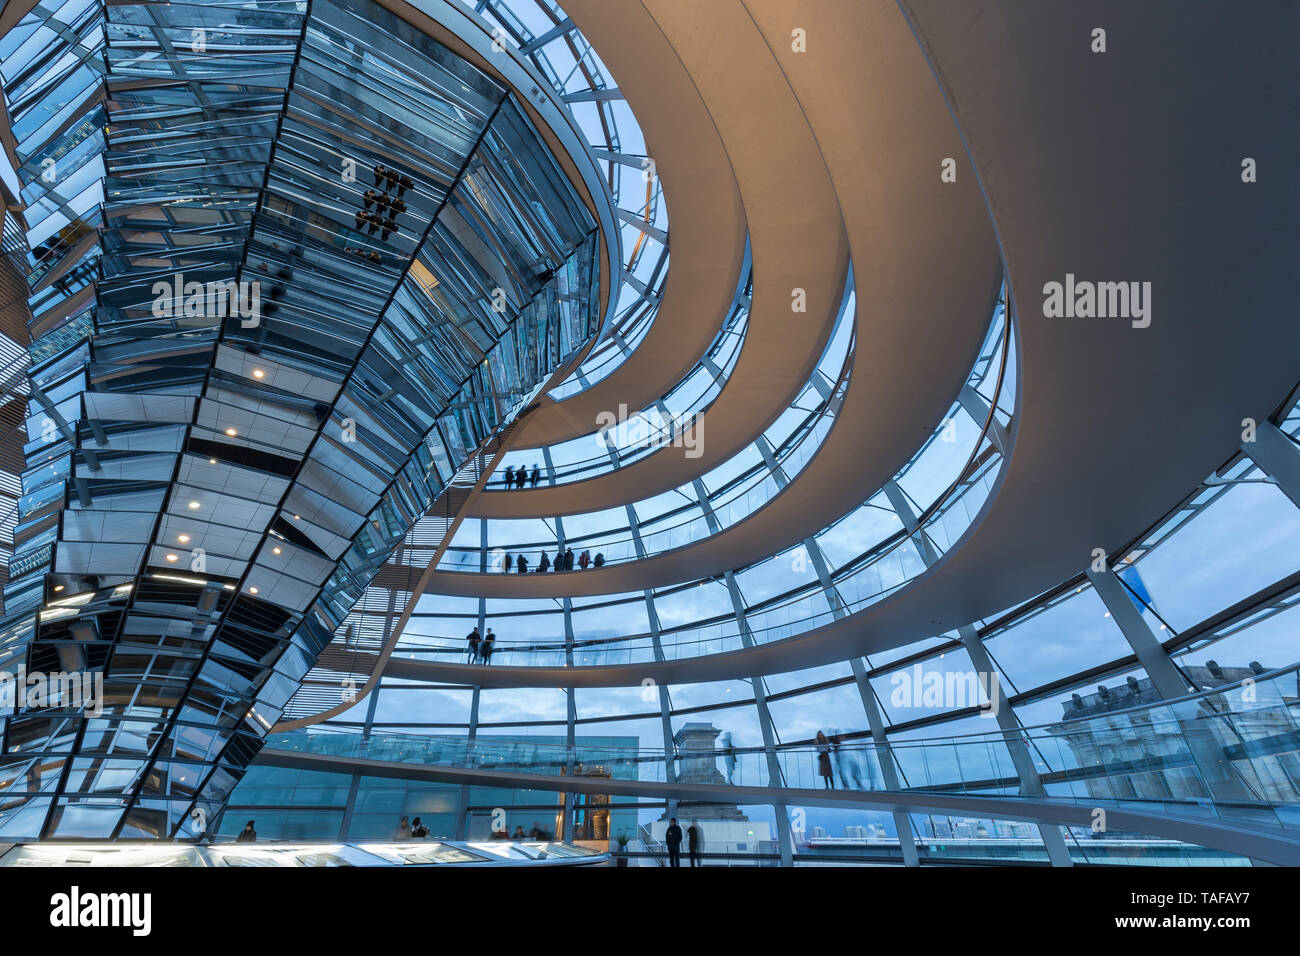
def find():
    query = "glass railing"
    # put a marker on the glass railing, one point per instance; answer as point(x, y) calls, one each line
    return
point(643, 432)
point(889, 568)
point(756, 488)
point(1231, 755)
point(746, 495)
point(880, 571)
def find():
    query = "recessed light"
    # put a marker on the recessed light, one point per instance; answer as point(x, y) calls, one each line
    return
point(252, 590)
point(275, 550)
point(193, 505)
point(182, 538)
point(231, 432)
point(212, 461)
point(258, 373)
point(297, 517)
point(171, 557)
point(58, 587)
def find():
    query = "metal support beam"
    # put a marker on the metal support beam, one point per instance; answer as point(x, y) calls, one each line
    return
point(632, 219)
point(1278, 457)
point(665, 703)
point(979, 409)
point(784, 843)
point(902, 819)
point(623, 159)
point(1220, 778)
point(593, 96)
point(885, 755)
point(571, 742)
point(462, 797)
point(1166, 678)
point(536, 43)
point(1030, 783)
point(903, 508)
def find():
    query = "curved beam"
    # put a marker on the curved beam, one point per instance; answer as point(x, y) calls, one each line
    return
point(707, 220)
point(1100, 401)
point(796, 237)
point(900, 382)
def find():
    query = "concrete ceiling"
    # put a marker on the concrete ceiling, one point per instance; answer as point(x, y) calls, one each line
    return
point(1115, 166)
point(797, 238)
point(917, 336)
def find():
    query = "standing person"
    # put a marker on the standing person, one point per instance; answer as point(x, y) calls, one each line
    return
point(599, 560)
point(485, 649)
point(695, 842)
point(534, 476)
point(522, 563)
point(507, 563)
point(521, 477)
point(545, 564)
point(510, 476)
point(403, 829)
point(673, 839)
point(824, 761)
point(559, 560)
point(584, 560)
point(846, 761)
point(248, 834)
point(472, 640)
point(568, 559)
point(837, 758)
point(729, 757)
point(418, 830)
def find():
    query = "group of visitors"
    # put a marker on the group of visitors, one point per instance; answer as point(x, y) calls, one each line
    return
point(480, 648)
point(834, 759)
point(564, 561)
point(411, 830)
point(694, 842)
point(517, 478)
point(536, 835)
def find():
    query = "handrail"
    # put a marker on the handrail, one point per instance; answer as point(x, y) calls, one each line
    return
point(1265, 679)
point(973, 471)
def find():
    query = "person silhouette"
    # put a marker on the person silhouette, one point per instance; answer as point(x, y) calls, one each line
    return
point(695, 842)
point(673, 840)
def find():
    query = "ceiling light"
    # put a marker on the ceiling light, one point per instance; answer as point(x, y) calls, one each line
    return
point(231, 432)
point(58, 587)
point(193, 505)
point(172, 557)
point(258, 373)
point(275, 550)
point(182, 538)
point(212, 461)
point(252, 590)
